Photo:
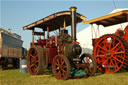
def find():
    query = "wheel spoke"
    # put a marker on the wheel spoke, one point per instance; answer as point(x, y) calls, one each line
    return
point(118, 59)
point(31, 61)
point(106, 43)
point(64, 66)
point(32, 65)
point(101, 56)
point(101, 48)
point(63, 74)
point(59, 73)
point(57, 64)
point(113, 42)
point(57, 61)
point(116, 46)
point(62, 62)
point(110, 65)
point(101, 52)
point(118, 56)
point(86, 70)
point(105, 61)
point(106, 66)
point(113, 64)
point(63, 70)
point(35, 53)
point(32, 56)
point(117, 49)
point(121, 52)
point(90, 69)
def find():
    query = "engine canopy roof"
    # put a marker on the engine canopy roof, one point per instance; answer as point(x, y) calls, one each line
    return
point(55, 21)
point(111, 19)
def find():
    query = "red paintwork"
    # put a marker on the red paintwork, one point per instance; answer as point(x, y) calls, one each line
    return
point(51, 45)
point(52, 52)
point(51, 42)
point(41, 42)
point(110, 51)
point(76, 43)
point(45, 56)
point(124, 33)
point(94, 41)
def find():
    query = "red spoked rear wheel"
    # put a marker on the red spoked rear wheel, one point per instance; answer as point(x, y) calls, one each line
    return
point(35, 61)
point(110, 53)
point(61, 67)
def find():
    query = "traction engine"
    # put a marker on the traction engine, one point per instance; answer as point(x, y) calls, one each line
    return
point(61, 53)
point(111, 50)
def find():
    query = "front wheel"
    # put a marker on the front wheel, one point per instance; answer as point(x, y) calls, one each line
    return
point(61, 67)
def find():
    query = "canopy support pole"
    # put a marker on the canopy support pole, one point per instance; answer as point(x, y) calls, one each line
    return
point(92, 30)
point(47, 32)
point(44, 35)
point(33, 37)
point(59, 30)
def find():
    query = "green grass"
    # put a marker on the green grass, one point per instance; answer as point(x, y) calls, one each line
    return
point(14, 77)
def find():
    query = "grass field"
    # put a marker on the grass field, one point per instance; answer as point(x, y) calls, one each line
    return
point(14, 77)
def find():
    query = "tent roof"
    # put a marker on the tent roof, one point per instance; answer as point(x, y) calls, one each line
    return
point(111, 19)
point(54, 21)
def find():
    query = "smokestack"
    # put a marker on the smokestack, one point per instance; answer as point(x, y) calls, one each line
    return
point(73, 25)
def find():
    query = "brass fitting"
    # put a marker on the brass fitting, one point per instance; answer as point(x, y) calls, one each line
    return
point(73, 9)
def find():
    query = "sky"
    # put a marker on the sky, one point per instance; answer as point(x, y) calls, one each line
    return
point(15, 14)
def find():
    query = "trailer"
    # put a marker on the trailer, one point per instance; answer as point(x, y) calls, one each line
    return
point(10, 49)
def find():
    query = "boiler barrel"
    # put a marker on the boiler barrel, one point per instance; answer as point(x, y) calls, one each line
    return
point(23, 66)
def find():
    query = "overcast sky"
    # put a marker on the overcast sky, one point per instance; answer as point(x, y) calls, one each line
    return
point(15, 14)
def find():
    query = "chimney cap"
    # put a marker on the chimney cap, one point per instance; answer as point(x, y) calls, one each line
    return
point(73, 8)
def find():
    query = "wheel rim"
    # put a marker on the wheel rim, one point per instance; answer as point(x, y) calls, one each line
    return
point(61, 68)
point(33, 61)
point(109, 53)
point(90, 64)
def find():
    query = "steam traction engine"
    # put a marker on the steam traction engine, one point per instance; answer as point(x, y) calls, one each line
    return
point(111, 50)
point(61, 52)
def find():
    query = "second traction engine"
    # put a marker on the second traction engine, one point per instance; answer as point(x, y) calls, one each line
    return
point(110, 50)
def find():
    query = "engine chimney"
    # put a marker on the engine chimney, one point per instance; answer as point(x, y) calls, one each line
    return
point(73, 25)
